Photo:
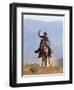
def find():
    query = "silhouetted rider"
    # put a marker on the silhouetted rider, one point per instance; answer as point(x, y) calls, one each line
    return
point(46, 40)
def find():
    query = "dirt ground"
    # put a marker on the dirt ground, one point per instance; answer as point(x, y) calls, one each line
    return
point(34, 69)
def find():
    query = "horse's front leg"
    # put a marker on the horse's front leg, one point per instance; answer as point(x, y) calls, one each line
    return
point(45, 62)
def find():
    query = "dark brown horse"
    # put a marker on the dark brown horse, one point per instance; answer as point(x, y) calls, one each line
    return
point(45, 53)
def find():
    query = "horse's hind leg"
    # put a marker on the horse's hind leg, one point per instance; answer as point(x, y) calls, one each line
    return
point(45, 62)
point(42, 63)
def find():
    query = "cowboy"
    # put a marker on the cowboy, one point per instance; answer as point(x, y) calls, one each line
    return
point(45, 39)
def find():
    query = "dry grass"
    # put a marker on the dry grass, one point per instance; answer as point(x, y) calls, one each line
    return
point(34, 69)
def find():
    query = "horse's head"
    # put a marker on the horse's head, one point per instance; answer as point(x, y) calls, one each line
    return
point(44, 47)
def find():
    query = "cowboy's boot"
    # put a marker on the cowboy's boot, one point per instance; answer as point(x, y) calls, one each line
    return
point(36, 51)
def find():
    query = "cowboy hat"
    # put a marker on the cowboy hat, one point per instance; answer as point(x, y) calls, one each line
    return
point(45, 33)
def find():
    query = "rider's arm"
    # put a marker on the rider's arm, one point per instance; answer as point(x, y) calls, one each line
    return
point(39, 33)
point(41, 36)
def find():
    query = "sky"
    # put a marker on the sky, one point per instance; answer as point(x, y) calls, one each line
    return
point(53, 25)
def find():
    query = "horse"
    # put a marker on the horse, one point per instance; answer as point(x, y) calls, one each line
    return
point(45, 52)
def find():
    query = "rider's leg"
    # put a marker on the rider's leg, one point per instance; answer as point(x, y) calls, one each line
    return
point(39, 53)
